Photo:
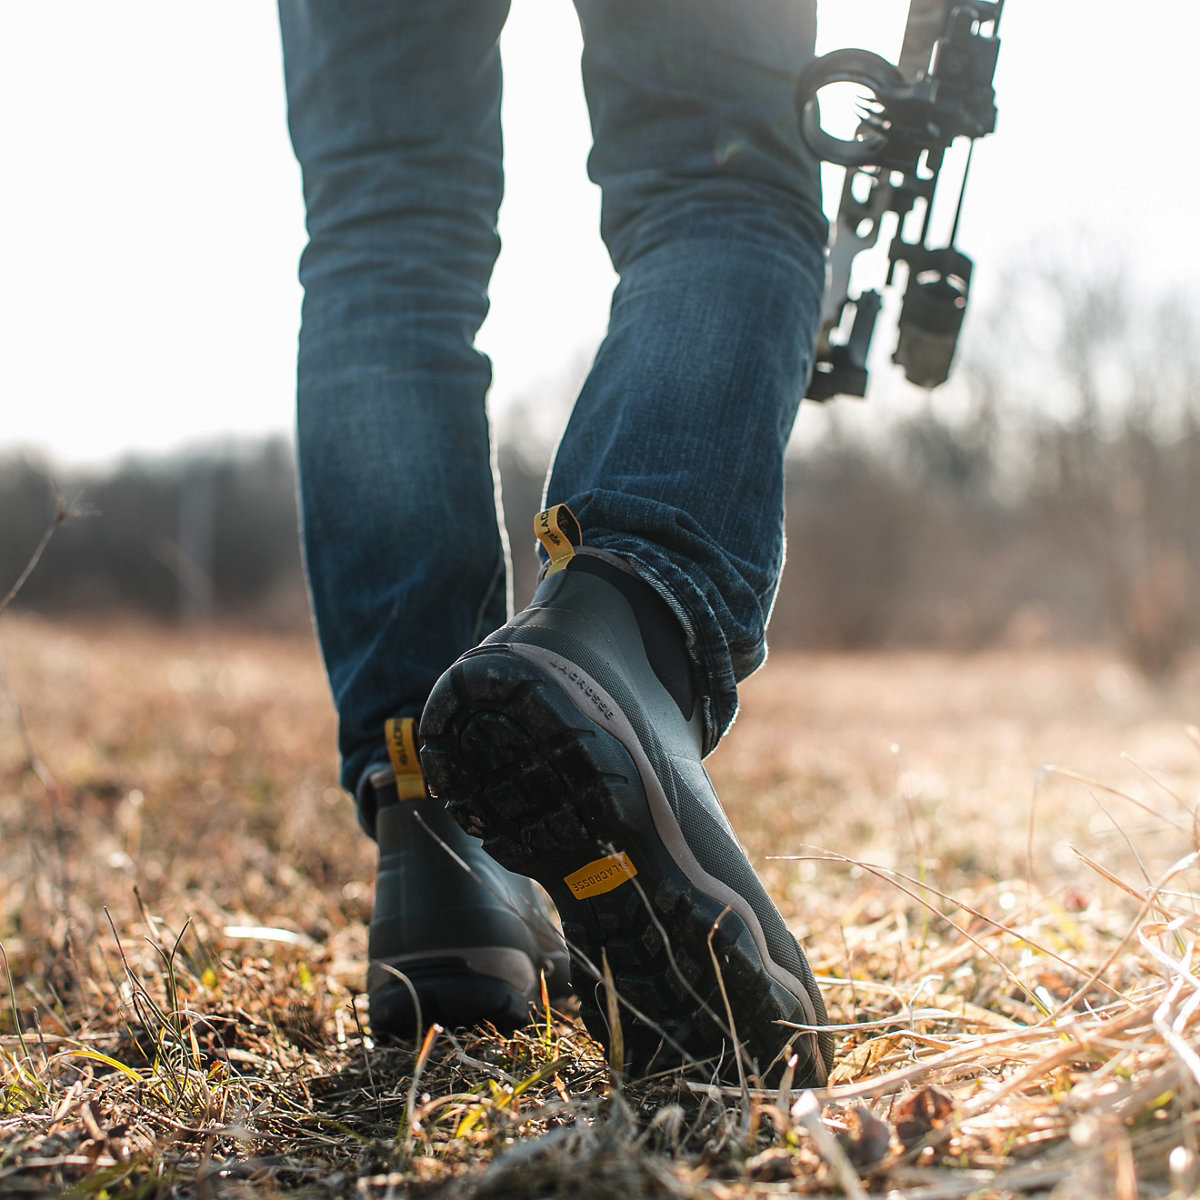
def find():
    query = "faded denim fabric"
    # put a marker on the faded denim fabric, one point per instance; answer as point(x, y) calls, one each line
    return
point(673, 457)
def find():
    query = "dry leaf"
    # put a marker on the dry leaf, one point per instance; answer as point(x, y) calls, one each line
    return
point(917, 1115)
point(868, 1140)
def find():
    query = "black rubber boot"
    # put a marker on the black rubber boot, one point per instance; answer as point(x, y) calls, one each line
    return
point(567, 743)
point(454, 938)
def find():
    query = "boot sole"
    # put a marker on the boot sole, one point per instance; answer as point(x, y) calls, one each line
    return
point(510, 743)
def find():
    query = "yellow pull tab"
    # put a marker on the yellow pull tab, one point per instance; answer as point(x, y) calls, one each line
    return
point(559, 533)
point(401, 735)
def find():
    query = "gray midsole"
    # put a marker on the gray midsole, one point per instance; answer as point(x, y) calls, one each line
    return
point(665, 824)
point(497, 962)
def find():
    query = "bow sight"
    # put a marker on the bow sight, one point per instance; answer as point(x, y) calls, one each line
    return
point(941, 90)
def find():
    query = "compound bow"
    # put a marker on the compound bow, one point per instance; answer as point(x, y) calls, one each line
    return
point(941, 90)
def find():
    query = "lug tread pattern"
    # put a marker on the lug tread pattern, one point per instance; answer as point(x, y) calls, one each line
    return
point(547, 791)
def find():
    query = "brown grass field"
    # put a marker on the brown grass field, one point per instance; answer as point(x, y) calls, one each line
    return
point(992, 860)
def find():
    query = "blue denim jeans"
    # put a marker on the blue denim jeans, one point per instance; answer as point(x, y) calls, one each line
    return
point(673, 455)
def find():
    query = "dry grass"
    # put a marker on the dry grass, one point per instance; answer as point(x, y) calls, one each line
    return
point(1009, 949)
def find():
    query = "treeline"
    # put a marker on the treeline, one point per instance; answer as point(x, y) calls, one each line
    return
point(950, 534)
point(1055, 499)
point(206, 535)
point(211, 534)
point(921, 538)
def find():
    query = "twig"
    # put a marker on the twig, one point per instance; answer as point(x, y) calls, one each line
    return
point(63, 509)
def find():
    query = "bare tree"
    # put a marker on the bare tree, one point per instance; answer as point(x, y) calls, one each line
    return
point(1103, 402)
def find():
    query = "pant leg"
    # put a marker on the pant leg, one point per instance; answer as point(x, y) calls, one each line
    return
point(673, 456)
point(393, 109)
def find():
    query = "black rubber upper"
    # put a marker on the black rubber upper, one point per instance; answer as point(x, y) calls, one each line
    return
point(557, 743)
point(470, 939)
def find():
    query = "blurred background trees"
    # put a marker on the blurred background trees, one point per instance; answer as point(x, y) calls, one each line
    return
point(1052, 496)
point(202, 536)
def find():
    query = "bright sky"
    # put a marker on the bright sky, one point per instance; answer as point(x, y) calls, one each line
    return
point(152, 217)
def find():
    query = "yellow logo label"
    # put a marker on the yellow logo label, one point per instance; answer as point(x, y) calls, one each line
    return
point(601, 876)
